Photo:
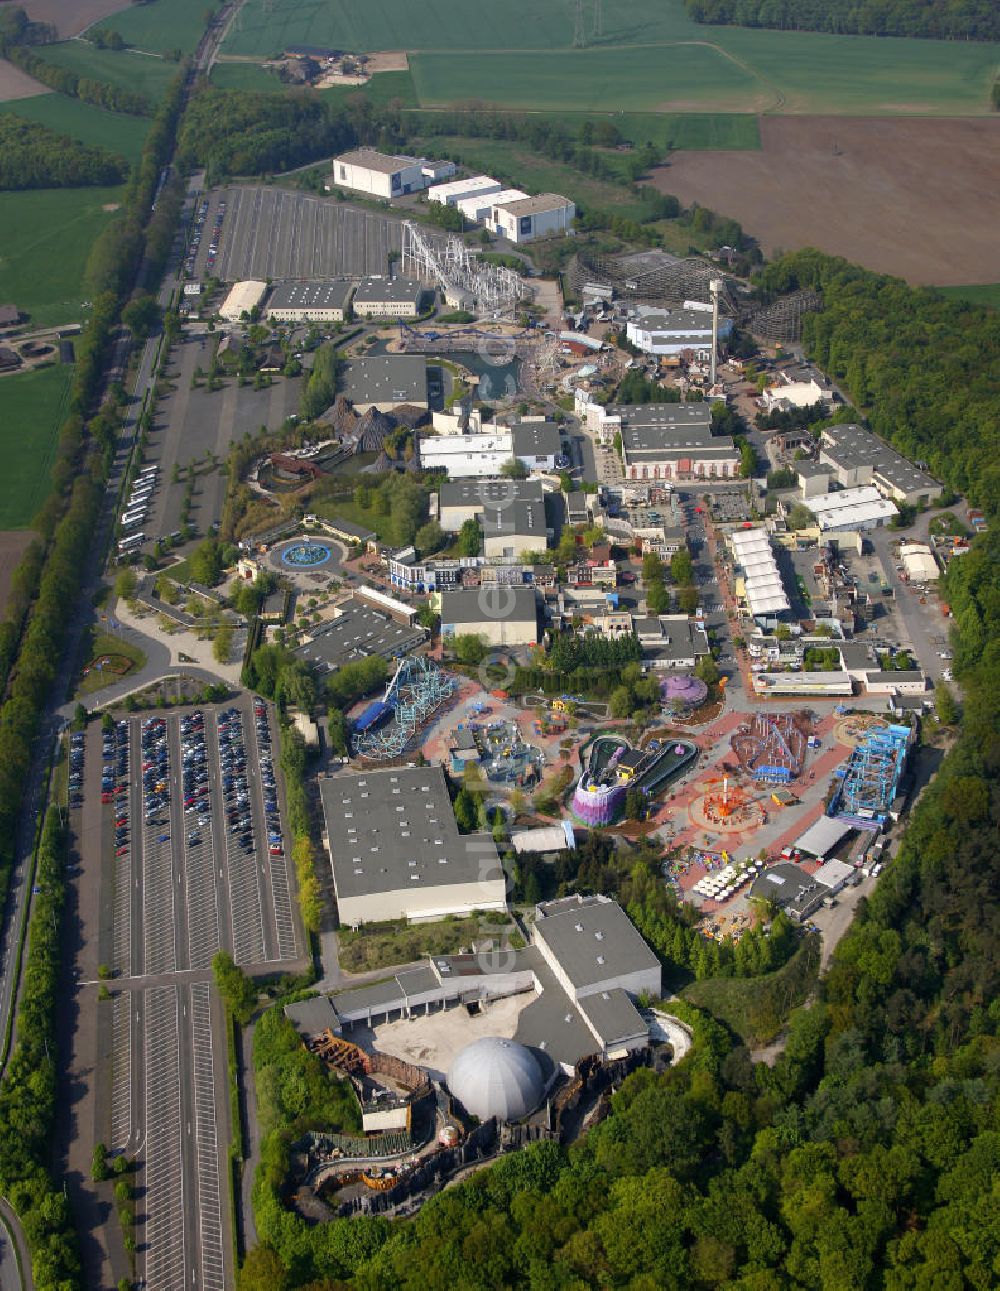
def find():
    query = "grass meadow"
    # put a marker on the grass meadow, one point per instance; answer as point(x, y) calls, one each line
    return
point(651, 58)
point(163, 26)
point(83, 121)
point(32, 408)
point(987, 293)
point(47, 238)
point(144, 73)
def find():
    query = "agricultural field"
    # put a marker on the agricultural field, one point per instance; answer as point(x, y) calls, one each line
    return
point(651, 58)
point(83, 121)
point(162, 25)
point(987, 293)
point(48, 234)
point(139, 72)
point(15, 84)
point(69, 17)
point(862, 190)
point(32, 408)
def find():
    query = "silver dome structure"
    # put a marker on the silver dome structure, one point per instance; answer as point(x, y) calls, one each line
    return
point(494, 1077)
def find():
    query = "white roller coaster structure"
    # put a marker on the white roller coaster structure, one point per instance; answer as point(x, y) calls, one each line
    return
point(492, 288)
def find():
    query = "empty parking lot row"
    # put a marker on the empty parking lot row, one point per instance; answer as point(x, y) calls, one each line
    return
point(121, 1071)
point(165, 1259)
point(213, 1273)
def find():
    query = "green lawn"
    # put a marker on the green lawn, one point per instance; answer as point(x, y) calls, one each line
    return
point(98, 643)
point(245, 76)
point(32, 408)
point(976, 294)
point(381, 89)
point(47, 238)
point(652, 58)
point(143, 73)
point(160, 25)
point(83, 121)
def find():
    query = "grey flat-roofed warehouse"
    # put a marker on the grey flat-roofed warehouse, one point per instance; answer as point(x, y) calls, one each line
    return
point(539, 441)
point(385, 381)
point(461, 500)
point(858, 457)
point(790, 887)
point(357, 632)
point(504, 616)
point(299, 302)
point(382, 297)
point(592, 945)
point(395, 850)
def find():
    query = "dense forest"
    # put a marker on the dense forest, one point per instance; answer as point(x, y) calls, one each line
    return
point(922, 368)
point(33, 156)
point(236, 132)
point(942, 19)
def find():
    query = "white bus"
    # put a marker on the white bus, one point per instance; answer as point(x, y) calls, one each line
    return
point(130, 543)
point(148, 470)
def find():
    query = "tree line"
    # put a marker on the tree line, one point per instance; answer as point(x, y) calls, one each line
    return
point(934, 19)
point(33, 156)
point(47, 584)
point(920, 367)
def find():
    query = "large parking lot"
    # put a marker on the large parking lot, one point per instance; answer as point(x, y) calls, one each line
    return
point(274, 233)
point(191, 424)
point(187, 829)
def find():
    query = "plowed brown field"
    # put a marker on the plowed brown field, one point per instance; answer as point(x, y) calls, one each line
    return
point(919, 198)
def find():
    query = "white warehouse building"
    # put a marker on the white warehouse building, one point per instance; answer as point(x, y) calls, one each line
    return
point(396, 853)
point(478, 207)
point(379, 174)
point(457, 190)
point(527, 218)
point(672, 331)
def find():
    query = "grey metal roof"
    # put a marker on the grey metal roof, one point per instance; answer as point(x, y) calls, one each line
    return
point(471, 605)
point(688, 415)
point(384, 378)
point(395, 829)
point(313, 1017)
point(822, 836)
point(356, 633)
point(310, 295)
point(380, 162)
point(612, 1015)
point(593, 940)
point(464, 493)
point(536, 439)
point(521, 518)
point(377, 289)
